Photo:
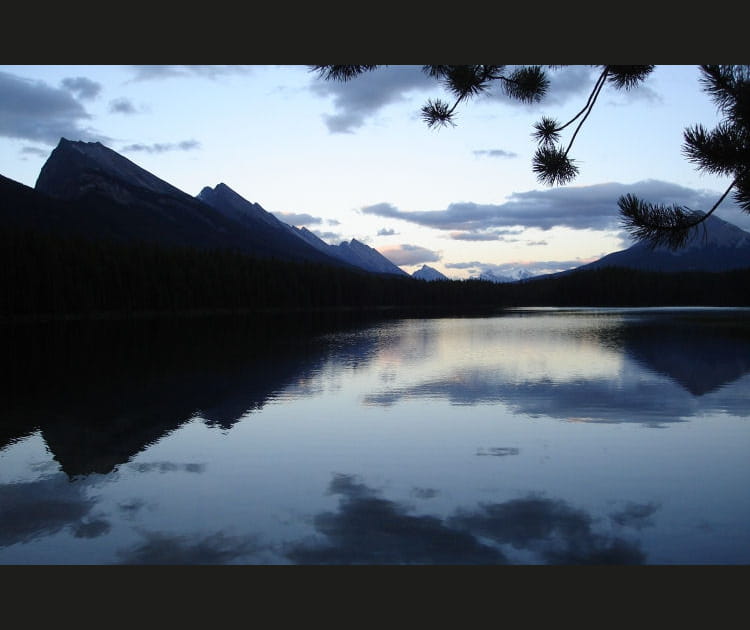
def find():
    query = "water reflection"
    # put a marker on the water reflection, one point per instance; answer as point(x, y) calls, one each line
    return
point(102, 392)
point(369, 529)
point(588, 367)
point(223, 441)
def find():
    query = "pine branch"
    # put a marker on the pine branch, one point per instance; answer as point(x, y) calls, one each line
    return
point(657, 224)
point(437, 113)
point(341, 73)
point(528, 85)
point(553, 166)
point(627, 77)
point(723, 150)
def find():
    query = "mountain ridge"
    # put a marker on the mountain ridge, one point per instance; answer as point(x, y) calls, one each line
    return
point(113, 197)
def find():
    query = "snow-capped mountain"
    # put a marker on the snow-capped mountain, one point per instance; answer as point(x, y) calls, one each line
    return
point(513, 276)
point(428, 273)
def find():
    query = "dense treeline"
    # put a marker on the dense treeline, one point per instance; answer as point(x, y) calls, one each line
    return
point(43, 274)
point(46, 275)
point(628, 287)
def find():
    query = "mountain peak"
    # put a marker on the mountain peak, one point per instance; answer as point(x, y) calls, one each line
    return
point(233, 205)
point(75, 167)
point(428, 273)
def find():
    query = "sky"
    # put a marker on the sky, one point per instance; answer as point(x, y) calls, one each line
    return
point(355, 159)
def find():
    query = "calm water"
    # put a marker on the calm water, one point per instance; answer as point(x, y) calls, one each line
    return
point(533, 437)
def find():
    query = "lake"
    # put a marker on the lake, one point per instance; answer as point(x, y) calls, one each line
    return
point(533, 436)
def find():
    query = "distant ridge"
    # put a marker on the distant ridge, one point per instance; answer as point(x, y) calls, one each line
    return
point(353, 252)
point(425, 272)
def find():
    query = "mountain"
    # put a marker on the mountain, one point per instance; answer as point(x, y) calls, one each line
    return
point(88, 189)
point(513, 276)
point(428, 273)
point(236, 207)
point(715, 245)
point(353, 252)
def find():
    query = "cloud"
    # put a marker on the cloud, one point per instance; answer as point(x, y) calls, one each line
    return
point(635, 515)
point(297, 218)
point(163, 467)
point(361, 98)
point(556, 531)
point(495, 153)
point(82, 87)
point(576, 207)
point(185, 145)
point(409, 254)
point(370, 529)
point(491, 235)
point(40, 508)
point(156, 73)
point(168, 549)
point(91, 529)
point(122, 106)
point(387, 232)
point(33, 110)
point(498, 451)
point(35, 152)
point(328, 237)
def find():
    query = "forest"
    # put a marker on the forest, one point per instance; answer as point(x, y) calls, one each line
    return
point(43, 275)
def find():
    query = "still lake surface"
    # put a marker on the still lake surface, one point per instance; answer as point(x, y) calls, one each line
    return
point(535, 436)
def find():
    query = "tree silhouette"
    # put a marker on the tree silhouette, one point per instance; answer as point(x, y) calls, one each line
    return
point(724, 150)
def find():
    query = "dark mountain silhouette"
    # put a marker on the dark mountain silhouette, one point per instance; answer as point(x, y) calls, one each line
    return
point(353, 253)
point(101, 194)
point(716, 245)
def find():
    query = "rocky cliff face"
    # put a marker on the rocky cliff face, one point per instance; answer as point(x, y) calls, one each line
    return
point(75, 169)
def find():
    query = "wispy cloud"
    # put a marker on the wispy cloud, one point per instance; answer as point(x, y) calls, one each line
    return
point(495, 153)
point(159, 147)
point(409, 254)
point(36, 152)
point(156, 73)
point(297, 218)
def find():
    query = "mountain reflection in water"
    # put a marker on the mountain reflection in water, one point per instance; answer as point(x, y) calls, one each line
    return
point(350, 440)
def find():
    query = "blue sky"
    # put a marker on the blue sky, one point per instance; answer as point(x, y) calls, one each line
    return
point(355, 160)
